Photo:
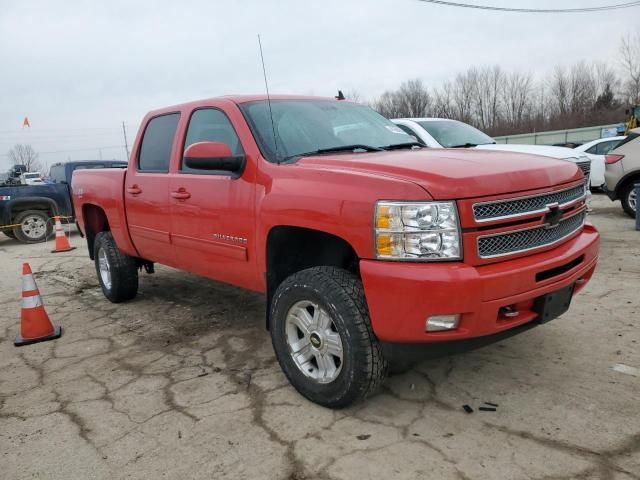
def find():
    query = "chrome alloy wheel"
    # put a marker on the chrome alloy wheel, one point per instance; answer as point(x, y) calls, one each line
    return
point(34, 227)
point(633, 200)
point(314, 342)
point(105, 268)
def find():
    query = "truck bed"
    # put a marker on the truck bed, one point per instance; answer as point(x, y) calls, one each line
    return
point(104, 188)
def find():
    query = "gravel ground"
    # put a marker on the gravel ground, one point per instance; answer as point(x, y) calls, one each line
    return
point(182, 383)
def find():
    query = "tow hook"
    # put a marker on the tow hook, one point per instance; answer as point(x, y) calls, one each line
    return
point(509, 312)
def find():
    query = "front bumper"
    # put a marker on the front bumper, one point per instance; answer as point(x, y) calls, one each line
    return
point(401, 296)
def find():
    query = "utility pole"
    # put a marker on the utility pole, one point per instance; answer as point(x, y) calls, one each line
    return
point(126, 145)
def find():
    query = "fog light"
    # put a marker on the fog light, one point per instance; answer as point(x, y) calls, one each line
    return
point(437, 323)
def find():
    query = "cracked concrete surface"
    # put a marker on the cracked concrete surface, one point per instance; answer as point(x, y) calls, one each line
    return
point(182, 383)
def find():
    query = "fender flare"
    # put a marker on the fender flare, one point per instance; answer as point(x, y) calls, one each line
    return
point(623, 180)
point(11, 204)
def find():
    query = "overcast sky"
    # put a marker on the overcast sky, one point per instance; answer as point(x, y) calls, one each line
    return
point(78, 69)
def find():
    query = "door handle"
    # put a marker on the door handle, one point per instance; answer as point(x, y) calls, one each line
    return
point(134, 190)
point(181, 194)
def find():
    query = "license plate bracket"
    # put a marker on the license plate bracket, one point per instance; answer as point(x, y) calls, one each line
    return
point(553, 304)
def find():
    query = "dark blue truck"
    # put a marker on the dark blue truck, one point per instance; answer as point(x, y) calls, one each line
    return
point(26, 210)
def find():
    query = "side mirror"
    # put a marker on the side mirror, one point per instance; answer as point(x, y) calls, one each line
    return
point(212, 156)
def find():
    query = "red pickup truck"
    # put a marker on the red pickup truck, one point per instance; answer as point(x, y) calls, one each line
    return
point(364, 241)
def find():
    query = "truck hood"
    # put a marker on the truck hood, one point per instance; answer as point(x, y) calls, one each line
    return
point(561, 153)
point(452, 173)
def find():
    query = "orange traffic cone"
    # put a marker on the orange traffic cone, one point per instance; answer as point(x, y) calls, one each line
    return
point(62, 242)
point(35, 325)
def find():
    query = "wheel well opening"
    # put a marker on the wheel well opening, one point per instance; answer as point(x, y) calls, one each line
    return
point(95, 221)
point(42, 206)
point(632, 178)
point(291, 249)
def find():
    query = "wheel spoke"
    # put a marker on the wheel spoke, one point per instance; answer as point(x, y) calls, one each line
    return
point(324, 320)
point(334, 345)
point(326, 366)
point(303, 320)
point(302, 355)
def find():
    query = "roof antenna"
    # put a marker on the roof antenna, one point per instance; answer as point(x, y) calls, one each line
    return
point(266, 86)
point(340, 95)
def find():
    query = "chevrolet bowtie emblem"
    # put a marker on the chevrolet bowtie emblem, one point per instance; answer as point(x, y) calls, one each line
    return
point(552, 217)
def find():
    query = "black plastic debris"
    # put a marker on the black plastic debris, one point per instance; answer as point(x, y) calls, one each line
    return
point(467, 408)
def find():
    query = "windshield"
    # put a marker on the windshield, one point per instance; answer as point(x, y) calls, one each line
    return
point(308, 126)
point(451, 133)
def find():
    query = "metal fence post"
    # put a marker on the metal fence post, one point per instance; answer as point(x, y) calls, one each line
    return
point(637, 190)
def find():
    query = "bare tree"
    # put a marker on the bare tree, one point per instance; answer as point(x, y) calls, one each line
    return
point(487, 85)
point(23, 154)
point(630, 58)
point(443, 105)
point(517, 99)
point(559, 91)
point(354, 96)
point(412, 99)
point(388, 105)
point(463, 93)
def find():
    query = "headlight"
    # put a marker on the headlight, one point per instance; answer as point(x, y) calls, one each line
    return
point(417, 231)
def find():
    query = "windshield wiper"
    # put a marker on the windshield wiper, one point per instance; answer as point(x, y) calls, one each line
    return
point(340, 148)
point(345, 148)
point(469, 145)
point(464, 145)
point(398, 146)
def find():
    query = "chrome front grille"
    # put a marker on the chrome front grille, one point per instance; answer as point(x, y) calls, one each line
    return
point(518, 241)
point(585, 167)
point(515, 207)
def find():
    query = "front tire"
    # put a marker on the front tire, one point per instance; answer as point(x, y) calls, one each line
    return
point(117, 272)
point(628, 198)
point(322, 337)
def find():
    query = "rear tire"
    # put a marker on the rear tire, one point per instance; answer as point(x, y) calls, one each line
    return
point(628, 198)
point(117, 272)
point(34, 226)
point(344, 348)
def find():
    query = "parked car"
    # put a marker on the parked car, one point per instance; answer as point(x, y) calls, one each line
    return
point(364, 242)
point(596, 151)
point(622, 171)
point(446, 133)
point(28, 209)
point(31, 178)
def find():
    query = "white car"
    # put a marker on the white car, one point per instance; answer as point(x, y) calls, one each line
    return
point(31, 178)
point(446, 133)
point(596, 150)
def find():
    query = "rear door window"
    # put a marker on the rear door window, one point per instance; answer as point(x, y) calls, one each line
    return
point(155, 151)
